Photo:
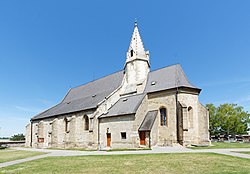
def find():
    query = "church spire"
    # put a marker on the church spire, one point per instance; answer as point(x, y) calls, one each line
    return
point(137, 63)
point(136, 47)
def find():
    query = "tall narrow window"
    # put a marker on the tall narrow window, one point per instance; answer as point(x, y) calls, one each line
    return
point(163, 114)
point(190, 117)
point(86, 122)
point(131, 53)
point(66, 122)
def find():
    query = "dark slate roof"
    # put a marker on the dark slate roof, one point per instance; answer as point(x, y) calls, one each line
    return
point(148, 121)
point(85, 97)
point(125, 106)
point(167, 78)
point(89, 95)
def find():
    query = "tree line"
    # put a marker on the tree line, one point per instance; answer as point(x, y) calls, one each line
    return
point(228, 119)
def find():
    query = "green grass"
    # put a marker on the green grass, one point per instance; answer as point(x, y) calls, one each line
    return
point(10, 155)
point(224, 145)
point(193, 163)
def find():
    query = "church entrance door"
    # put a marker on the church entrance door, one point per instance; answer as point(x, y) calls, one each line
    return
point(142, 138)
point(108, 139)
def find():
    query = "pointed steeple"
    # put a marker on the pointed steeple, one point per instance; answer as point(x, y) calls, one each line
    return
point(136, 48)
point(137, 63)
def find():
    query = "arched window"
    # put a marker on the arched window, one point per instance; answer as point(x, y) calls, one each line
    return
point(86, 122)
point(163, 115)
point(190, 117)
point(66, 122)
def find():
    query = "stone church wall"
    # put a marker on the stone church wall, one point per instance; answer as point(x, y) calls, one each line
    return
point(139, 117)
point(196, 119)
point(115, 126)
point(204, 124)
point(190, 133)
point(52, 132)
point(166, 134)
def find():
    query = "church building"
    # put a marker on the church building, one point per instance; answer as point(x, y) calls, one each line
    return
point(132, 108)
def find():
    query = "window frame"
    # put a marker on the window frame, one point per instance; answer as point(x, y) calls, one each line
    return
point(66, 122)
point(163, 116)
point(86, 122)
point(191, 116)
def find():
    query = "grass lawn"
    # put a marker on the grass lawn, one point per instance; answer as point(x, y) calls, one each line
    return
point(10, 155)
point(224, 145)
point(193, 163)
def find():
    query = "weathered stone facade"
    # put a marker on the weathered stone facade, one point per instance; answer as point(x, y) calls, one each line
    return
point(145, 109)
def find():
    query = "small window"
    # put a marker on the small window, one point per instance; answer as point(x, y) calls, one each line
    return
point(131, 53)
point(66, 125)
point(190, 117)
point(163, 115)
point(123, 135)
point(86, 122)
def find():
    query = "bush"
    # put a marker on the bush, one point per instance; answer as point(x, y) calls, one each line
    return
point(18, 137)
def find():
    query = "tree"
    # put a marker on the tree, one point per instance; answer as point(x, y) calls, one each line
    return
point(18, 137)
point(214, 122)
point(228, 119)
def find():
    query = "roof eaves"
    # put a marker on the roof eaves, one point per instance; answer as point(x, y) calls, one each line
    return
point(55, 115)
point(198, 89)
point(33, 118)
point(116, 115)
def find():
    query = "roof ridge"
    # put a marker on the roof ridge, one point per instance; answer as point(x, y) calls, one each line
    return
point(165, 67)
point(96, 79)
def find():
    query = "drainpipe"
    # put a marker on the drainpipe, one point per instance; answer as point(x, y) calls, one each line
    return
point(177, 116)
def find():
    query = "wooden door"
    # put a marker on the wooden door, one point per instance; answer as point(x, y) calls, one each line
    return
point(108, 139)
point(142, 138)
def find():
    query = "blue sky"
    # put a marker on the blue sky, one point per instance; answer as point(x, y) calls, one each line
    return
point(47, 47)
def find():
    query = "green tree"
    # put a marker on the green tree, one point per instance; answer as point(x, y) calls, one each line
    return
point(214, 120)
point(228, 119)
point(18, 137)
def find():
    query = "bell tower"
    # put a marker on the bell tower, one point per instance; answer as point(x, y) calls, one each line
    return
point(137, 64)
